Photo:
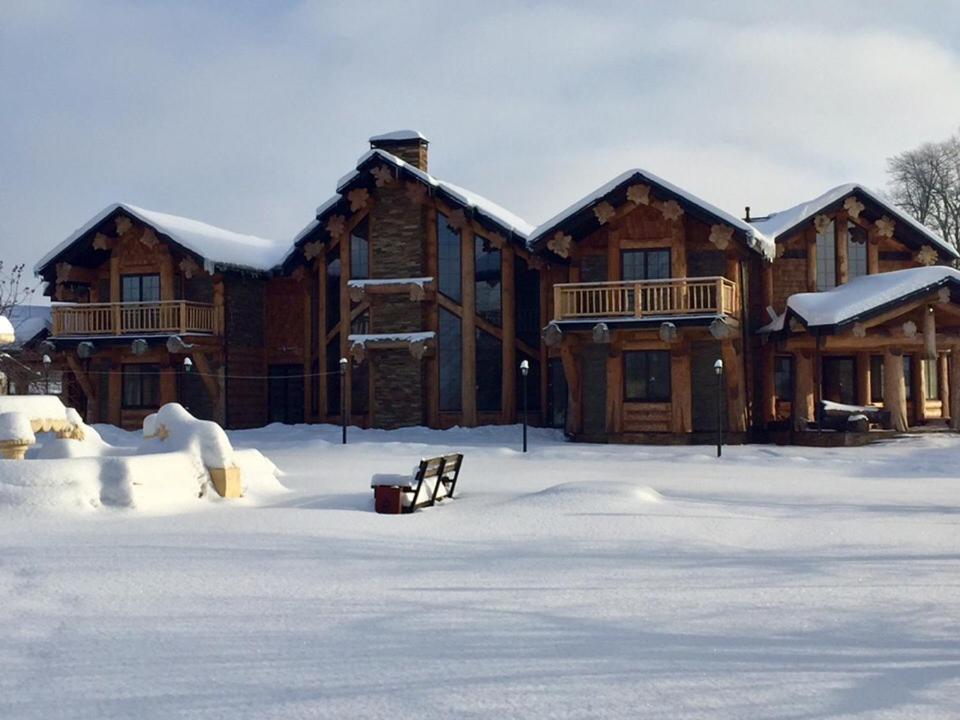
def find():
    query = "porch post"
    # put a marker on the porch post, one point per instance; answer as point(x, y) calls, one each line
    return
point(803, 392)
point(954, 363)
point(894, 390)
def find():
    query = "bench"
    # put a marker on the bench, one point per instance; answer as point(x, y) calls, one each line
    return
point(434, 479)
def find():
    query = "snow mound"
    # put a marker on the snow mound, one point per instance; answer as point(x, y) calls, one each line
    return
point(590, 493)
point(16, 427)
point(172, 428)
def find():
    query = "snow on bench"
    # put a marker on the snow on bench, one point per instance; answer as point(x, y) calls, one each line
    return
point(433, 479)
point(46, 414)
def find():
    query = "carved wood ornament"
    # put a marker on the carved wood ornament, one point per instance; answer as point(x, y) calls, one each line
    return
point(671, 210)
point(382, 174)
point(336, 225)
point(926, 256)
point(604, 212)
point(189, 267)
point(122, 224)
point(822, 223)
point(885, 227)
point(639, 194)
point(312, 249)
point(359, 198)
point(102, 242)
point(853, 207)
point(149, 238)
point(457, 220)
point(721, 235)
point(560, 244)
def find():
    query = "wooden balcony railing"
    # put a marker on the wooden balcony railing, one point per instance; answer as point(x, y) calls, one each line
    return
point(136, 318)
point(645, 298)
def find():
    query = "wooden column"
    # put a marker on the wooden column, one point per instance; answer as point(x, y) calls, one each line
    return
point(680, 387)
point(803, 391)
point(767, 286)
point(918, 389)
point(842, 236)
point(468, 329)
point(894, 390)
point(308, 378)
point(953, 364)
point(432, 317)
point(615, 392)
point(508, 385)
point(736, 400)
point(863, 378)
point(115, 279)
point(873, 253)
point(167, 290)
point(321, 379)
point(168, 385)
point(614, 264)
point(943, 385)
point(571, 371)
point(86, 386)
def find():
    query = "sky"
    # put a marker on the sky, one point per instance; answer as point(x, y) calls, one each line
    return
point(244, 114)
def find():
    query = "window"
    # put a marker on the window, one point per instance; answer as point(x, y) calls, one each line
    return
point(647, 376)
point(448, 353)
point(646, 264)
point(931, 385)
point(908, 375)
point(489, 372)
point(140, 288)
point(360, 251)
point(360, 374)
point(528, 302)
point(876, 378)
point(333, 291)
point(141, 386)
point(856, 250)
point(556, 394)
point(448, 258)
point(839, 379)
point(783, 377)
point(487, 281)
point(827, 258)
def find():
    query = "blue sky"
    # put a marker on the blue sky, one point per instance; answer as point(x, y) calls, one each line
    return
point(244, 114)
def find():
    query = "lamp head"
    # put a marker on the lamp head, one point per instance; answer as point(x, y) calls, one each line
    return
point(718, 366)
point(343, 363)
point(187, 364)
point(525, 367)
point(47, 360)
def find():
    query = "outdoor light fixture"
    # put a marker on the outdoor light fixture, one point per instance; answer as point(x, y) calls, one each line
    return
point(525, 370)
point(46, 374)
point(718, 369)
point(343, 398)
point(187, 364)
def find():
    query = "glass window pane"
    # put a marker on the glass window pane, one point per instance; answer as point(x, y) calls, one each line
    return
point(130, 288)
point(876, 378)
point(658, 264)
point(856, 250)
point(360, 251)
point(448, 353)
point(528, 302)
point(448, 258)
point(487, 281)
point(783, 378)
point(489, 372)
point(930, 380)
point(827, 258)
point(150, 288)
point(645, 264)
point(647, 375)
point(908, 375)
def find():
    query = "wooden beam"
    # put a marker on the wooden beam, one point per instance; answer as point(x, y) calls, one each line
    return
point(321, 379)
point(85, 385)
point(202, 364)
point(469, 328)
point(681, 398)
point(803, 411)
point(811, 237)
point(953, 363)
point(863, 378)
point(571, 371)
point(842, 236)
point(918, 389)
point(733, 372)
point(873, 252)
point(768, 409)
point(345, 320)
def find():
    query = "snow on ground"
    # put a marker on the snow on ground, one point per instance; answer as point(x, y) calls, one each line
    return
point(578, 581)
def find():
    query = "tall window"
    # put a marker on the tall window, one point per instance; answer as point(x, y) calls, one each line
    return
point(931, 385)
point(647, 376)
point(333, 290)
point(448, 258)
point(360, 251)
point(908, 375)
point(876, 378)
point(487, 282)
point(140, 288)
point(856, 250)
point(448, 351)
point(527, 282)
point(489, 372)
point(556, 394)
point(827, 258)
point(141, 385)
point(783, 377)
point(646, 264)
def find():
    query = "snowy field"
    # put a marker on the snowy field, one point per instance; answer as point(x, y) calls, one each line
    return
point(575, 582)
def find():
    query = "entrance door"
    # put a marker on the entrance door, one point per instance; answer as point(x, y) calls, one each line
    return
point(703, 386)
point(594, 367)
point(285, 393)
point(840, 380)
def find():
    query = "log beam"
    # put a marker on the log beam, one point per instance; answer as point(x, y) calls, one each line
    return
point(894, 390)
point(803, 391)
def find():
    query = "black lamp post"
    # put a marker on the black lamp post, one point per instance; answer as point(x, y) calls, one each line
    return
point(343, 398)
point(46, 374)
point(525, 370)
point(718, 369)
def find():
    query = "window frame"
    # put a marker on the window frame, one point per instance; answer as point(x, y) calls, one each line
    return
point(139, 277)
point(129, 371)
point(667, 380)
point(791, 377)
point(646, 253)
point(364, 235)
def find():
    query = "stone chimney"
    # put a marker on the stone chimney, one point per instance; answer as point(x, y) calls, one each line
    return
point(408, 145)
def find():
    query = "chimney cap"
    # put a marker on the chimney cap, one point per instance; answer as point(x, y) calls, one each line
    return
point(399, 137)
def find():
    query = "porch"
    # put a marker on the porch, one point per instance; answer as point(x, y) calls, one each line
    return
point(646, 299)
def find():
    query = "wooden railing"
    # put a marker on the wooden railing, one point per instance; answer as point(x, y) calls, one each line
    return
point(136, 318)
point(645, 298)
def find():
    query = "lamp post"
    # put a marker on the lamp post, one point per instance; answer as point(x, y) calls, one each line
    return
point(525, 370)
point(718, 369)
point(187, 364)
point(46, 374)
point(343, 398)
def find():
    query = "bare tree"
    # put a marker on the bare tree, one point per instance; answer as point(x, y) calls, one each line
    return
point(925, 182)
point(14, 288)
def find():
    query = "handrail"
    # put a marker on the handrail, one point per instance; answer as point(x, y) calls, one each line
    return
point(127, 318)
point(644, 298)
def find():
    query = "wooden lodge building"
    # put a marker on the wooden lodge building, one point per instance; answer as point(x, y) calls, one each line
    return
point(620, 306)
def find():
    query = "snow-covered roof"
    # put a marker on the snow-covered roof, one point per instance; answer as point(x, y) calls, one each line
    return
point(399, 136)
point(866, 294)
point(28, 321)
point(781, 223)
point(215, 245)
point(754, 237)
point(499, 215)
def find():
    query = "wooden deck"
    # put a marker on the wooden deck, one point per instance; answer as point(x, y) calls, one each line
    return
point(646, 298)
point(106, 319)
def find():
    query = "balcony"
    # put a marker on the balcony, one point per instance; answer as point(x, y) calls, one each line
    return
point(642, 299)
point(173, 317)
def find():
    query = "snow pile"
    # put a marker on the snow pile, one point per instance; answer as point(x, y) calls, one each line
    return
point(399, 136)
point(173, 429)
point(37, 407)
point(16, 427)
